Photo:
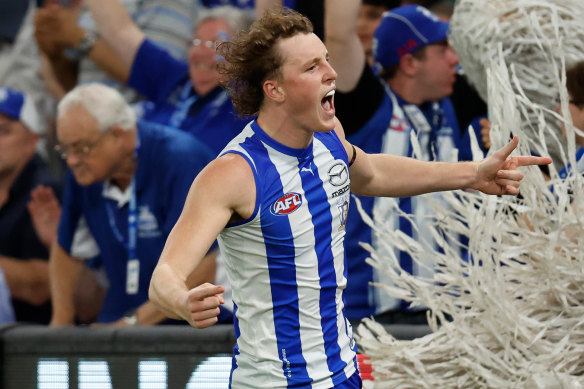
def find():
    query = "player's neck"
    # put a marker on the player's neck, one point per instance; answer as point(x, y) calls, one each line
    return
point(284, 130)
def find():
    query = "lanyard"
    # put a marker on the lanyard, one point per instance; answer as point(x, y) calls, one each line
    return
point(131, 245)
point(425, 131)
point(182, 108)
point(133, 264)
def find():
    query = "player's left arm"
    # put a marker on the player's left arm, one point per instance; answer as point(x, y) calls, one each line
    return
point(394, 176)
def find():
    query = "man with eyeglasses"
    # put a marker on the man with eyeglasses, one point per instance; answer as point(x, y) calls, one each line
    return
point(184, 95)
point(126, 184)
point(23, 251)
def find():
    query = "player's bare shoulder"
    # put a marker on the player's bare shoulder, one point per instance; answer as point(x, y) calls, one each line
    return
point(230, 180)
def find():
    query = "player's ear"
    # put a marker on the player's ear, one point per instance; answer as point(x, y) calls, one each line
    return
point(274, 91)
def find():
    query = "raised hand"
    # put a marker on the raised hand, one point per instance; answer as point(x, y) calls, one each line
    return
point(56, 28)
point(485, 133)
point(203, 304)
point(45, 212)
point(499, 173)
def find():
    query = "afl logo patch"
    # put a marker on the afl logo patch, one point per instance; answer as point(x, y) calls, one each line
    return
point(286, 204)
point(338, 174)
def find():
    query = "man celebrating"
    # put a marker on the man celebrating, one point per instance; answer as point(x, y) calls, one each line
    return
point(274, 197)
point(126, 187)
point(416, 73)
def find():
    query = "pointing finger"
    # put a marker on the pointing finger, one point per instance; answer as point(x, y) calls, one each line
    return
point(530, 160)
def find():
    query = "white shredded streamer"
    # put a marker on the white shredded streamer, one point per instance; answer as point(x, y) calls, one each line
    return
point(534, 36)
point(511, 316)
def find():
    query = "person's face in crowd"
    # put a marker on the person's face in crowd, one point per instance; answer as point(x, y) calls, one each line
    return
point(202, 54)
point(367, 22)
point(307, 81)
point(90, 154)
point(436, 73)
point(17, 145)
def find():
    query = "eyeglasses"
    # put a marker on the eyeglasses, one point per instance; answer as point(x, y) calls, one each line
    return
point(208, 44)
point(81, 151)
point(221, 36)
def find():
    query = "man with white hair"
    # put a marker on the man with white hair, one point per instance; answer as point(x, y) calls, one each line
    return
point(125, 188)
point(23, 254)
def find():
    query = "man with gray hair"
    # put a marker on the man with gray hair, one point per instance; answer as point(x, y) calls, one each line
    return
point(125, 188)
point(184, 95)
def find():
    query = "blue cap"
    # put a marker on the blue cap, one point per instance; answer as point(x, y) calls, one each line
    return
point(404, 30)
point(18, 106)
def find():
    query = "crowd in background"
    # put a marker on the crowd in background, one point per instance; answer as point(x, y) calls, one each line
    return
point(109, 109)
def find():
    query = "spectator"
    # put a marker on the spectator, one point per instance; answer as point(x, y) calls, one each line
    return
point(188, 96)
point(417, 71)
point(23, 252)
point(68, 36)
point(370, 15)
point(125, 189)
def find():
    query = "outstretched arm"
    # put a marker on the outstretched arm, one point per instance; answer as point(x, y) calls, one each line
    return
point(346, 53)
point(393, 176)
point(117, 28)
point(223, 191)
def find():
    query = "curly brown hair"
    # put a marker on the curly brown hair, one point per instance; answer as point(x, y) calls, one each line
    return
point(251, 57)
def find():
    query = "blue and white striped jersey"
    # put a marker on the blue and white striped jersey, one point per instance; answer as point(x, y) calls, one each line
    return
point(286, 265)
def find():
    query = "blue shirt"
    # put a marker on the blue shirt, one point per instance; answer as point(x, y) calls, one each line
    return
point(286, 265)
point(165, 81)
point(388, 131)
point(168, 161)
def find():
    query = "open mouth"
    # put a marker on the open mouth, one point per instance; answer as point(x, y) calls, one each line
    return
point(327, 102)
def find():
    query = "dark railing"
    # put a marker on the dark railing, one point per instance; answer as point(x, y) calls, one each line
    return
point(181, 357)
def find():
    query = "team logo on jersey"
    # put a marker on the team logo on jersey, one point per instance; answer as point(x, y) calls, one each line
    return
point(343, 206)
point(147, 224)
point(338, 174)
point(286, 204)
point(399, 124)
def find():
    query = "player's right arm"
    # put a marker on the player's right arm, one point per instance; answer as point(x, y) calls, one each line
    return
point(224, 191)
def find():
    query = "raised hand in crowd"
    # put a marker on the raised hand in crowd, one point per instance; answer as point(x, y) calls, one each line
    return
point(45, 211)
